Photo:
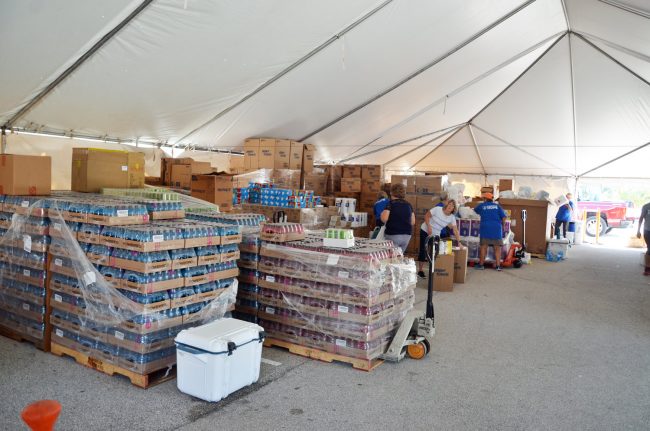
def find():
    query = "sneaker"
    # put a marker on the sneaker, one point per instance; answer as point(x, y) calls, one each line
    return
point(499, 268)
point(479, 266)
point(421, 274)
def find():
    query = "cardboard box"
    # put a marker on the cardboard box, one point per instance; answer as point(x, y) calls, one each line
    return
point(371, 172)
point(216, 189)
point(25, 175)
point(443, 273)
point(487, 189)
point(316, 182)
point(370, 186)
point(181, 177)
point(94, 169)
point(282, 154)
point(428, 184)
point(251, 153)
point(505, 184)
point(286, 178)
point(295, 158)
point(460, 265)
point(308, 156)
point(407, 180)
point(351, 185)
point(351, 171)
point(201, 168)
point(266, 154)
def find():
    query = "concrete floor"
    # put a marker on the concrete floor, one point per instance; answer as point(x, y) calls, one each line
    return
point(549, 346)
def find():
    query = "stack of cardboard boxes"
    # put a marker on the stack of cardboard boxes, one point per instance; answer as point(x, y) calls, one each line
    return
point(177, 173)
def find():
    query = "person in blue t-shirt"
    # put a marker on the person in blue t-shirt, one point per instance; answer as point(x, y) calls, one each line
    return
point(379, 207)
point(563, 217)
point(493, 218)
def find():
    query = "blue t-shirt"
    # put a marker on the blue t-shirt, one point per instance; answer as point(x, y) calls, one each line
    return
point(399, 220)
point(379, 207)
point(491, 220)
point(564, 213)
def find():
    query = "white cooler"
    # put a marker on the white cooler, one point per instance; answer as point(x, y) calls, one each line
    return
point(216, 359)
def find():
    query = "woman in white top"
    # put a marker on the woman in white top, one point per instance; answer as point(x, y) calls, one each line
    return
point(436, 219)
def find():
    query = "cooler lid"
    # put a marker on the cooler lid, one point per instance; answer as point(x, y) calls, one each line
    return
point(214, 337)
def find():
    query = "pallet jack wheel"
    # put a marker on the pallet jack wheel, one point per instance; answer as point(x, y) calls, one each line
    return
point(419, 350)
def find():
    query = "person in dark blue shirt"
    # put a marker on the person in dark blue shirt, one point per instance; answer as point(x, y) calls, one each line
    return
point(398, 217)
point(493, 218)
point(563, 217)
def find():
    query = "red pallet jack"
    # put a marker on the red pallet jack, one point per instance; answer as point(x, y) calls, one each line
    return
point(415, 334)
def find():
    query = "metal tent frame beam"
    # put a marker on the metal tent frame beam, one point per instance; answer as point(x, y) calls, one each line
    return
point(614, 160)
point(74, 66)
point(452, 130)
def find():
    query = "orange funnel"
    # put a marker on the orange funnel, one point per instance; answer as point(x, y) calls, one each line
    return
point(41, 415)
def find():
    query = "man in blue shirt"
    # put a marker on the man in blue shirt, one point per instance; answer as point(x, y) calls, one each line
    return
point(493, 218)
point(563, 217)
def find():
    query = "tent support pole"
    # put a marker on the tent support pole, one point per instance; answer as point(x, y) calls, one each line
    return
point(86, 55)
point(614, 159)
point(478, 152)
point(573, 109)
point(300, 61)
point(3, 139)
point(421, 70)
point(423, 145)
point(626, 8)
point(397, 144)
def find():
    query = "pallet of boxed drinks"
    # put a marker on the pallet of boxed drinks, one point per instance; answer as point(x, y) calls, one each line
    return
point(117, 287)
point(332, 303)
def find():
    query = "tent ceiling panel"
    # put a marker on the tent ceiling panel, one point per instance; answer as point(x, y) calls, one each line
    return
point(611, 23)
point(41, 39)
point(522, 115)
point(359, 66)
point(637, 63)
point(612, 105)
point(457, 154)
point(501, 158)
point(406, 154)
point(386, 118)
point(177, 64)
point(634, 165)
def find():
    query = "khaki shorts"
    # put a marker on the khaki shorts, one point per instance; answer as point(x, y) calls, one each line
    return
point(490, 241)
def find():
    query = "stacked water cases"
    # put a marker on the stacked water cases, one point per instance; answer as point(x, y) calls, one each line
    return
point(23, 269)
point(119, 286)
point(247, 305)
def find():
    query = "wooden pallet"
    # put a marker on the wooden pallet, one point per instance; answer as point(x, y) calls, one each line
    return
point(308, 352)
point(21, 337)
point(141, 380)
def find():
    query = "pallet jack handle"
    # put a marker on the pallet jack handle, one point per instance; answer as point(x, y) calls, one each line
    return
point(433, 248)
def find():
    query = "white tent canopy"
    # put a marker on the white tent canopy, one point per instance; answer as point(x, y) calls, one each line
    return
point(511, 87)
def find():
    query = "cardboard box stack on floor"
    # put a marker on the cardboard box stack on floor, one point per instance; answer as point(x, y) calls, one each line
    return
point(341, 303)
point(214, 188)
point(177, 173)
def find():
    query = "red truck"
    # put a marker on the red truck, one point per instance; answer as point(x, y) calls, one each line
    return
point(613, 214)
